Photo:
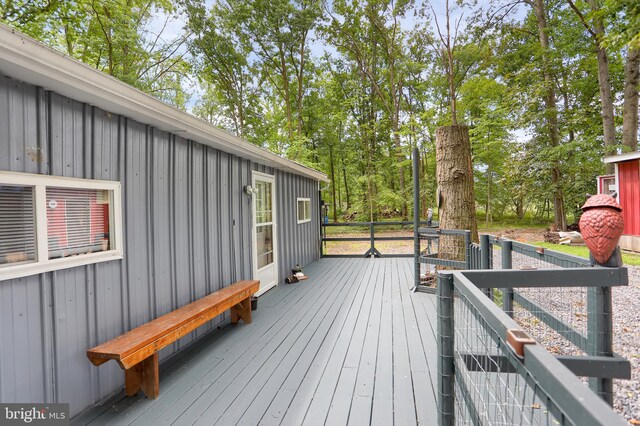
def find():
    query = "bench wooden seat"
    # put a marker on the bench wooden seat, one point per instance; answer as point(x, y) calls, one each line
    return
point(137, 350)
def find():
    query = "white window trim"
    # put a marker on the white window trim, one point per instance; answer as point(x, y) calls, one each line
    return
point(297, 212)
point(43, 263)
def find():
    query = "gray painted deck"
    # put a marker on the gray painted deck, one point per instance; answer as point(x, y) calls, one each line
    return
point(351, 345)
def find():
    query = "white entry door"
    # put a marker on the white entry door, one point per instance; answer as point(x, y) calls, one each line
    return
point(265, 245)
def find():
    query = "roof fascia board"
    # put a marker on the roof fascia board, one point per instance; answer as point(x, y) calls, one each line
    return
point(622, 157)
point(30, 61)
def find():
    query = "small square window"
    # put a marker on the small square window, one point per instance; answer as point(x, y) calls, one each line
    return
point(304, 210)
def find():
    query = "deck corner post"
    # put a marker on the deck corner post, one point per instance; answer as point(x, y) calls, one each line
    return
point(416, 216)
point(485, 254)
point(446, 347)
point(600, 330)
point(507, 263)
point(467, 245)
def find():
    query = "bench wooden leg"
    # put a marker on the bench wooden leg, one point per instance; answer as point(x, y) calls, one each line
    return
point(242, 311)
point(144, 375)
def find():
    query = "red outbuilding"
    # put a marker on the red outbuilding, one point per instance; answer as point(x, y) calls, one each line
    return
point(627, 185)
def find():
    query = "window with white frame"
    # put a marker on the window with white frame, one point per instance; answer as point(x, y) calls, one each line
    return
point(50, 222)
point(304, 210)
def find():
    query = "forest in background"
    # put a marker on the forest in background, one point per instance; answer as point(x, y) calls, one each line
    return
point(546, 87)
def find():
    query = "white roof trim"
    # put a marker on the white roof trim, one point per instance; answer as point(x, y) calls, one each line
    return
point(27, 60)
point(622, 157)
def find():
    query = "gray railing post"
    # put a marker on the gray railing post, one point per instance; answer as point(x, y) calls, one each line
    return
point(507, 263)
point(485, 252)
point(416, 216)
point(446, 347)
point(600, 332)
point(467, 244)
point(373, 238)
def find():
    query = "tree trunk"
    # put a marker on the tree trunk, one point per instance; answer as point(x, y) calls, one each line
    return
point(454, 175)
point(333, 185)
point(630, 114)
point(551, 116)
point(346, 187)
point(604, 83)
point(488, 214)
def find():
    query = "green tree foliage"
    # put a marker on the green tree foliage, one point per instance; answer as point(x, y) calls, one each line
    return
point(351, 87)
point(113, 36)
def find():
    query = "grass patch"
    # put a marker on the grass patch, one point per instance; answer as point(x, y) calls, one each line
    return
point(582, 251)
point(511, 222)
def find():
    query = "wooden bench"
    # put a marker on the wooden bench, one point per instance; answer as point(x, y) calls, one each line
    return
point(137, 350)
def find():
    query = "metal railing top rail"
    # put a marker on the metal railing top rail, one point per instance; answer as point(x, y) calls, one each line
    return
point(435, 230)
point(540, 253)
point(378, 223)
point(580, 277)
point(372, 238)
point(574, 400)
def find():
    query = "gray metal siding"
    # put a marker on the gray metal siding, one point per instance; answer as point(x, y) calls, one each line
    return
point(187, 230)
point(298, 243)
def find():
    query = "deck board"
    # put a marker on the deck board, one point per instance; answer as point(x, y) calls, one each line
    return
point(351, 345)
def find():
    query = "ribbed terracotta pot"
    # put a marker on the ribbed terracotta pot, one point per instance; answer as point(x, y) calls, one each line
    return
point(601, 226)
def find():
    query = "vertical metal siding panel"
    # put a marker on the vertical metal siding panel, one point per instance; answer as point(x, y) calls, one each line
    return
point(21, 369)
point(212, 208)
point(198, 219)
point(245, 201)
point(181, 208)
point(71, 335)
point(225, 224)
point(135, 209)
point(161, 224)
point(181, 225)
point(234, 196)
point(6, 141)
point(18, 108)
point(163, 216)
point(197, 232)
point(214, 279)
point(110, 289)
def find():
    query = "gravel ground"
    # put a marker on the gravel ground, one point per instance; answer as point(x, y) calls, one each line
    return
point(626, 342)
point(570, 306)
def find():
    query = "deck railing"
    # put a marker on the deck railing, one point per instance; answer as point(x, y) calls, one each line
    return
point(481, 379)
point(571, 320)
point(372, 227)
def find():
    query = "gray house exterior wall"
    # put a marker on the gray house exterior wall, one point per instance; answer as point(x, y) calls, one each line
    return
point(187, 233)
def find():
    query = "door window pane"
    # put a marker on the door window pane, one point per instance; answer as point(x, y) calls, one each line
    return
point(264, 212)
point(264, 239)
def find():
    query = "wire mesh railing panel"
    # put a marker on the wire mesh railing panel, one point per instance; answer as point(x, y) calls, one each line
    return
point(556, 317)
point(491, 385)
point(443, 248)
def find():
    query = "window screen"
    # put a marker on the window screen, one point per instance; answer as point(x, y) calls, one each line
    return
point(77, 221)
point(17, 225)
